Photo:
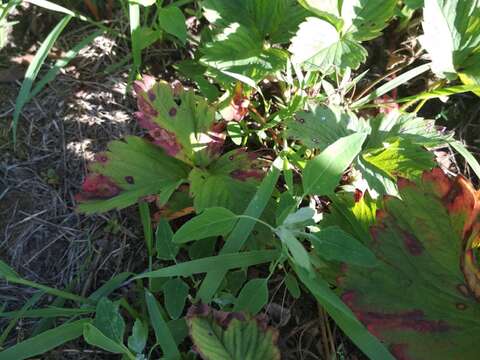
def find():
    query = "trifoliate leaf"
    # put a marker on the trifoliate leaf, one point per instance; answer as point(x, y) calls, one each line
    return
point(452, 38)
point(319, 46)
point(221, 335)
point(244, 33)
point(333, 41)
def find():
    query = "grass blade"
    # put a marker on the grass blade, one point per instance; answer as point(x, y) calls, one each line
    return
point(19, 315)
point(433, 94)
point(242, 230)
point(33, 69)
point(392, 84)
point(44, 342)
point(462, 150)
point(222, 262)
point(343, 316)
point(134, 18)
point(61, 63)
point(162, 332)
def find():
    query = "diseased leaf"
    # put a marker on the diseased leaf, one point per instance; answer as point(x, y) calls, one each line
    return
point(421, 299)
point(229, 182)
point(180, 122)
point(221, 335)
point(321, 126)
point(130, 170)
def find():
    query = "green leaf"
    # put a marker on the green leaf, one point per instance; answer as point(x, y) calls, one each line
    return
point(242, 230)
point(333, 41)
point(365, 19)
point(229, 182)
point(244, 33)
point(321, 126)
point(299, 255)
point(219, 263)
point(332, 243)
point(45, 341)
point(322, 174)
point(471, 160)
point(109, 321)
point(318, 46)
point(253, 296)
point(95, 337)
point(62, 62)
point(292, 285)
point(172, 20)
point(138, 340)
point(33, 70)
point(176, 292)
point(423, 293)
point(401, 158)
point(130, 170)
point(211, 222)
point(162, 332)
point(231, 336)
point(166, 248)
point(451, 35)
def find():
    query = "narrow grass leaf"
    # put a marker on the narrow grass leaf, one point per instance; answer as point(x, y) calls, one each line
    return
point(134, 18)
point(110, 286)
point(392, 84)
point(51, 6)
point(322, 174)
point(19, 315)
point(45, 342)
point(33, 70)
point(162, 332)
point(147, 225)
point(242, 230)
point(471, 160)
point(221, 263)
point(62, 62)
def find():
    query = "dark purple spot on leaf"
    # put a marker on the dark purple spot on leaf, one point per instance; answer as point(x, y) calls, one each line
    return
point(129, 179)
point(412, 244)
point(151, 95)
point(173, 111)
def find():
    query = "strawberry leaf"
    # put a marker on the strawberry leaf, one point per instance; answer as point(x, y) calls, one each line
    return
point(422, 297)
point(219, 335)
point(178, 121)
point(128, 171)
